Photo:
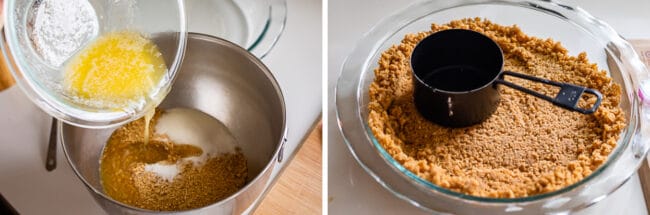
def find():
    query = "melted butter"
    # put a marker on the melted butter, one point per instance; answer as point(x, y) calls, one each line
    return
point(114, 71)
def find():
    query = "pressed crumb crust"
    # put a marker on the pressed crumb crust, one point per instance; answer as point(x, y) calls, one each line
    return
point(527, 147)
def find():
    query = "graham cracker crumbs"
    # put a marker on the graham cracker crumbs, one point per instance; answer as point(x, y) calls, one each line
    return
point(527, 147)
point(124, 178)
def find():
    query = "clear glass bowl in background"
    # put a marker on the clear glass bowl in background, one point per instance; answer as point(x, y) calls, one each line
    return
point(255, 25)
point(574, 28)
point(41, 35)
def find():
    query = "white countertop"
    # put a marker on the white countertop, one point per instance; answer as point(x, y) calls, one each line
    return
point(24, 129)
point(353, 191)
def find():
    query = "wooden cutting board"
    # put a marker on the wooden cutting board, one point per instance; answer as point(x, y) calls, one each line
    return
point(298, 190)
point(6, 80)
point(642, 47)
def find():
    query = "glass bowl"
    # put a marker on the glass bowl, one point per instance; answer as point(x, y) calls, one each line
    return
point(574, 28)
point(41, 35)
point(255, 25)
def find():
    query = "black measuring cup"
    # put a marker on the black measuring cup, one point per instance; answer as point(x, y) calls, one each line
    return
point(455, 77)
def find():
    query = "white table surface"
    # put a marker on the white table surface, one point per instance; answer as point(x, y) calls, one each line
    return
point(24, 129)
point(353, 191)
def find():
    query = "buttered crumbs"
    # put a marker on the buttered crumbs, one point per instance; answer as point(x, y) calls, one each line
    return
point(527, 147)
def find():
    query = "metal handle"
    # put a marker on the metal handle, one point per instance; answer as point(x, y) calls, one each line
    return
point(50, 160)
point(281, 152)
point(5, 207)
point(567, 98)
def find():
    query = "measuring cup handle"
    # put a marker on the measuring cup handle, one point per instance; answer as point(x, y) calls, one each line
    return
point(568, 96)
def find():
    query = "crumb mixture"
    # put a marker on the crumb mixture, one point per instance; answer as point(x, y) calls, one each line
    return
point(125, 179)
point(527, 147)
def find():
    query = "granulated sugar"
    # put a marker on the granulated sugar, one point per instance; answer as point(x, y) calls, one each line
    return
point(187, 126)
point(165, 171)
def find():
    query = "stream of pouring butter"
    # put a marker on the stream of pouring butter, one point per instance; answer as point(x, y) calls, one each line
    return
point(147, 120)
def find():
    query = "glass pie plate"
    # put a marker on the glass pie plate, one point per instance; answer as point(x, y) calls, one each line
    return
point(573, 27)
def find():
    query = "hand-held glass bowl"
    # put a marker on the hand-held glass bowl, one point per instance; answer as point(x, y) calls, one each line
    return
point(574, 28)
point(40, 36)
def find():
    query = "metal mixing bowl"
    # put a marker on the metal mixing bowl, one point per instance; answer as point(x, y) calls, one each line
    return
point(220, 79)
